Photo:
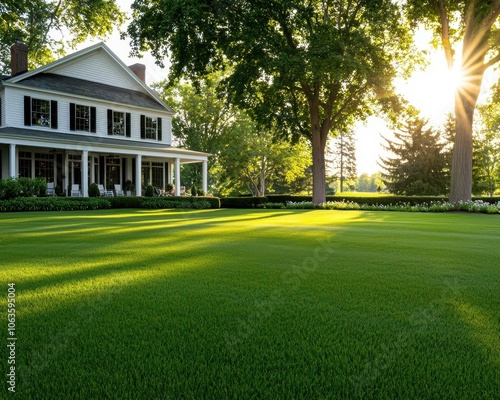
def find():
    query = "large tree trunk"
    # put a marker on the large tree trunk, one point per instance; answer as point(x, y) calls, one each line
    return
point(461, 166)
point(318, 141)
point(319, 134)
point(465, 103)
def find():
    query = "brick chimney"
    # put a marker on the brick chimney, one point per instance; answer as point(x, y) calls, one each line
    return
point(139, 70)
point(19, 58)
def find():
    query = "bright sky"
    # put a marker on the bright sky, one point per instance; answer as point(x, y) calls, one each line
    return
point(430, 90)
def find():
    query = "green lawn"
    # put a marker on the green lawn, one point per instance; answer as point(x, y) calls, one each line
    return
point(253, 304)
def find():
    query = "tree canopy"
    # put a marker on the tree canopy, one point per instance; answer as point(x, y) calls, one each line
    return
point(245, 159)
point(474, 26)
point(305, 68)
point(47, 27)
point(418, 165)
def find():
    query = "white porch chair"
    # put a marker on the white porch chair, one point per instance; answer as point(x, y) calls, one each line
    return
point(51, 190)
point(102, 191)
point(75, 191)
point(119, 190)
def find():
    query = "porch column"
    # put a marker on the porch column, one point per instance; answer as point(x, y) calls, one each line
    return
point(204, 177)
point(12, 161)
point(138, 175)
point(177, 176)
point(85, 173)
point(66, 173)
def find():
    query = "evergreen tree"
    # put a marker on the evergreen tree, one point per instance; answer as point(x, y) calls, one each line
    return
point(344, 159)
point(419, 165)
point(486, 151)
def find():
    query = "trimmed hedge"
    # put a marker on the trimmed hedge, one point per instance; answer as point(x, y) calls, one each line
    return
point(52, 204)
point(125, 202)
point(382, 200)
point(163, 202)
point(92, 203)
point(166, 202)
point(242, 202)
point(379, 200)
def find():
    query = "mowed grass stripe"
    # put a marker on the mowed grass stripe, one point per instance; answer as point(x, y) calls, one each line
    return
point(254, 304)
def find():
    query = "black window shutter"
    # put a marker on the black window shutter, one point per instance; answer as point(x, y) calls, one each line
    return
point(110, 122)
point(102, 168)
point(93, 119)
point(143, 127)
point(27, 110)
point(72, 116)
point(159, 129)
point(127, 124)
point(53, 114)
point(0, 112)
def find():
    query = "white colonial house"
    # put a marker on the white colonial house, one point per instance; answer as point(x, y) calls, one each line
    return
point(87, 118)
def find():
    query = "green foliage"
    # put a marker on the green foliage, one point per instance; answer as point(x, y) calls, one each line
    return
point(419, 163)
point(128, 186)
point(433, 206)
point(53, 204)
point(381, 200)
point(370, 183)
point(125, 201)
point(94, 190)
point(271, 205)
point(11, 188)
point(245, 159)
point(150, 191)
point(253, 161)
point(299, 70)
point(470, 29)
point(343, 159)
point(242, 202)
point(486, 150)
point(171, 202)
point(40, 23)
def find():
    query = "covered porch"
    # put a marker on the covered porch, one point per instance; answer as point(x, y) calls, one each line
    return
point(68, 162)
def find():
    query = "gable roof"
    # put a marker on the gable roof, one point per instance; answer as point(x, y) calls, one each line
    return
point(52, 68)
point(80, 87)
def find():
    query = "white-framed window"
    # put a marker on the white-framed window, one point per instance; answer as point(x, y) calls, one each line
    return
point(119, 123)
point(40, 112)
point(82, 118)
point(151, 128)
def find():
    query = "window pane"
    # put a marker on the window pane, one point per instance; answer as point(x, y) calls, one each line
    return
point(82, 118)
point(118, 123)
point(150, 128)
point(40, 112)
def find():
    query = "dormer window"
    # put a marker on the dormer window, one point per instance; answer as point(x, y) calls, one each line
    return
point(82, 118)
point(40, 112)
point(151, 128)
point(118, 123)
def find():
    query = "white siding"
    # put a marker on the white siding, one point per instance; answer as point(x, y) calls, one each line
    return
point(2, 106)
point(167, 130)
point(98, 67)
point(15, 114)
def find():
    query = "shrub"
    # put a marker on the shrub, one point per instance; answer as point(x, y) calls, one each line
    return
point(22, 187)
point(52, 204)
point(150, 191)
point(125, 202)
point(174, 202)
point(242, 202)
point(271, 205)
point(93, 190)
point(435, 206)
